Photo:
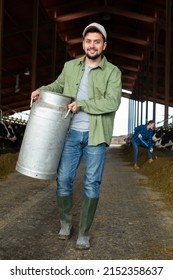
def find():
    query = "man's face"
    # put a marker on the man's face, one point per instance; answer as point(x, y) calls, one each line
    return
point(152, 125)
point(93, 45)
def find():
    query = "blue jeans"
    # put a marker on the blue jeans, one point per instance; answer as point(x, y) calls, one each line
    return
point(75, 147)
point(135, 151)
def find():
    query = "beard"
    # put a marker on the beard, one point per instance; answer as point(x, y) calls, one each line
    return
point(95, 56)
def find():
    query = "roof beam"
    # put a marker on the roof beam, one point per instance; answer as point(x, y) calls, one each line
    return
point(109, 10)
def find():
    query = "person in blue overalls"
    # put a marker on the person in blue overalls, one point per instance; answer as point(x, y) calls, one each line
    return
point(143, 136)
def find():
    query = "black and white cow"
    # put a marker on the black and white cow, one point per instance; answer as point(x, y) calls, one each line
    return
point(163, 138)
point(7, 132)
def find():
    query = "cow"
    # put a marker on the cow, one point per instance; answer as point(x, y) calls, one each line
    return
point(7, 132)
point(163, 138)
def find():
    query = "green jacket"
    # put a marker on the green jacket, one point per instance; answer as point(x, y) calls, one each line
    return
point(104, 91)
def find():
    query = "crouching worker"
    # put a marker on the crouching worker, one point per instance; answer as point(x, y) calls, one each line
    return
point(143, 136)
point(95, 86)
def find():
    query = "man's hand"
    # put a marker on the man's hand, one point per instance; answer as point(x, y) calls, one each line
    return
point(139, 136)
point(35, 95)
point(73, 107)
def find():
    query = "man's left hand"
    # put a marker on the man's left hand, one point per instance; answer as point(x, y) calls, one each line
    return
point(73, 107)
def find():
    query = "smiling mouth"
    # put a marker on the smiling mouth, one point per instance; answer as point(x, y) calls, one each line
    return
point(92, 51)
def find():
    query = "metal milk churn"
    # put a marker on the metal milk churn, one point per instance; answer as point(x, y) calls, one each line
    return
point(44, 136)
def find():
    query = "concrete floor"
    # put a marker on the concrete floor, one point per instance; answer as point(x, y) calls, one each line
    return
point(131, 221)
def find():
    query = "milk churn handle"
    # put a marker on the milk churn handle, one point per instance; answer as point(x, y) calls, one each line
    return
point(67, 113)
point(31, 102)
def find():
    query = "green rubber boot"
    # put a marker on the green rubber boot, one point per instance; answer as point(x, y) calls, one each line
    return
point(65, 204)
point(89, 206)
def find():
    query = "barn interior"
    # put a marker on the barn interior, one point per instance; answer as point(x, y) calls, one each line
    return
point(38, 36)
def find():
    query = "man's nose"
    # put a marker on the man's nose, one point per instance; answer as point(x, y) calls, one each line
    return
point(92, 44)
